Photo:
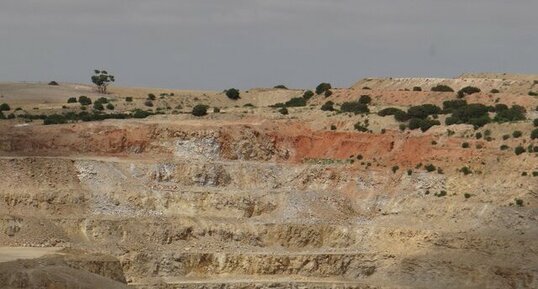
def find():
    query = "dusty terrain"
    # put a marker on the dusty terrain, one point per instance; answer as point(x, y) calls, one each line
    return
point(250, 198)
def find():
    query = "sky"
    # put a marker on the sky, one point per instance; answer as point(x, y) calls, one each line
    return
point(218, 44)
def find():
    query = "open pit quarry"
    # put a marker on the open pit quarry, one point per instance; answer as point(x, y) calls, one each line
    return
point(251, 198)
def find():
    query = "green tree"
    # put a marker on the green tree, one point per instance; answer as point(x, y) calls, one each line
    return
point(233, 94)
point(323, 87)
point(328, 106)
point(442, 88)
point(102, 79)
point(84, 100)
point(308, 94)
point(519, 150)
point(4, 107)
point(98, 106)
point(199, 110)
point(534, 133)
point(467, 91)
point(365, 99)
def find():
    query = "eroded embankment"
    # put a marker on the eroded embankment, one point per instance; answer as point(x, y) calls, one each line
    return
point(282, 142)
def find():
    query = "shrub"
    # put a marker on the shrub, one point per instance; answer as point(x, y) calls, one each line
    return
point(233, 94)
point(409, 172)
point(296, 102)
point(535, 173)
point(474, 113)
point(478, 135)
point(328, 93)
point(365, 99)
point(333, 127)
point(401, 116)
point(442, 88)
point(279, 104)
point(151, 96)
point(199, 110)
point(467, 91)
point(417, 88)
point(328, 106)
point(450, 105)
point(280, 86)
point(323, 87)
point(423, 124)
point(506, 136)
point(389, 111)
point(308, 94)
point(430, 168)
point(519, 202)
point(534, 133)
point(54, 119)
point(500, 107)
point(465, 145)
point(84, 100)
point(467, 195)
point(519, 150)
point(129, 99)
point(531, 93)
point(535, 122)
point(494, 90)
point(423, 111)
point(148, 103)
point(516, 112)
point(138, 113)
point(110, 106)
point(441, 194)
point(355, 107)
point(102, 100)
point(98, 106)
point(480, 121)
point(466, 170)
point(395, 168)
point(216, 110)
point(53, 83)
point(402, 126)
point(358, 126)
point(283, 111)
point(517, 133)
point(72, 100)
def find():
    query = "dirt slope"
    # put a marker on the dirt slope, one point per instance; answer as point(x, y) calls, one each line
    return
point(249, 197)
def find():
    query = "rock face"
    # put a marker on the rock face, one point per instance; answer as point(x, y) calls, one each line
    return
point(248, 203)
point(60, 270)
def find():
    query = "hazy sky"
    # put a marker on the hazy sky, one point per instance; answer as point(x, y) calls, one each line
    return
point(218, 44)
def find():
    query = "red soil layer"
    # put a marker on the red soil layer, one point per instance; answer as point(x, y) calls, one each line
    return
point(290, 142)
